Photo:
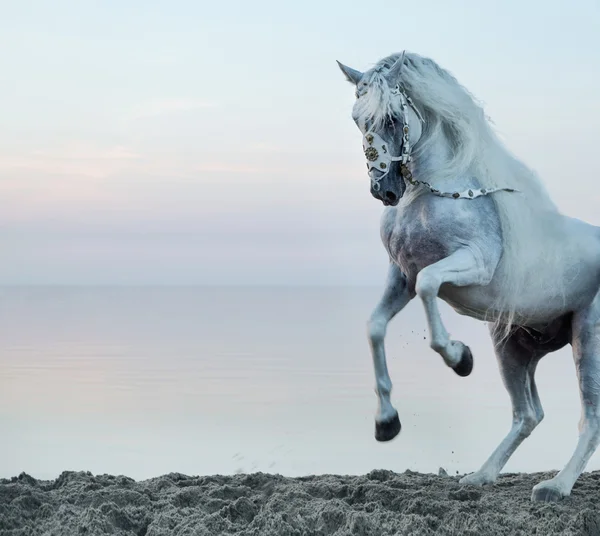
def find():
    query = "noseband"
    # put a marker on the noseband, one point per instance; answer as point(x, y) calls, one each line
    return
point(379, 158)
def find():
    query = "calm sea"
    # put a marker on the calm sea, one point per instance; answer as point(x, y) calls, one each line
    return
point(145, 381)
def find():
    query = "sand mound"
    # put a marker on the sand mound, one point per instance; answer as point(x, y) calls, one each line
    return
point(379, 504)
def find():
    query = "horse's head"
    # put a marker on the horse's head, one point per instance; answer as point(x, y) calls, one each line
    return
point(391, 126)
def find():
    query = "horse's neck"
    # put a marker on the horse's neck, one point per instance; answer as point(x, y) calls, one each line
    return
point(430, 157)
point(431, 168)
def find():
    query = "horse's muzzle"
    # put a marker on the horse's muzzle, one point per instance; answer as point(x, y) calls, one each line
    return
point(387, 197)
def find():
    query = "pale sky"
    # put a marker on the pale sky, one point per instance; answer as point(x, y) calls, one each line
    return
point(196, 142)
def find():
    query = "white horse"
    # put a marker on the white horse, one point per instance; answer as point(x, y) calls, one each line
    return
point(469, 223)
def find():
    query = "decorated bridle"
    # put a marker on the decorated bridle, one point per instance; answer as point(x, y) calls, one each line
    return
point(376, 151)
point(379, 158)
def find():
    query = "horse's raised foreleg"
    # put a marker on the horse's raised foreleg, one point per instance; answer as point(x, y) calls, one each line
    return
point(459, 269)
point(586, 352)
point(394, 299)
point(517, 368)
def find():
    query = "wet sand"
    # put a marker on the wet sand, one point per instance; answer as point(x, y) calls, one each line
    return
point(380, 503)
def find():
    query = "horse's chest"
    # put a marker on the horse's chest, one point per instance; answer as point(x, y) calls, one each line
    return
point(413, 246)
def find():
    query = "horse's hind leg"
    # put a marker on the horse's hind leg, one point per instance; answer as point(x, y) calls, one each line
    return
point(459, 269)
point(394, 299)
point(517, 368)
point(586, 352)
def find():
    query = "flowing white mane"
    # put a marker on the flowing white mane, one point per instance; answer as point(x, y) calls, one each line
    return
point(456, 123)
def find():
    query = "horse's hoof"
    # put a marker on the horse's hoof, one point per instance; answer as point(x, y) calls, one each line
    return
point(387, 430)
point(465, 365)
point(543, 493)
point(477, 479)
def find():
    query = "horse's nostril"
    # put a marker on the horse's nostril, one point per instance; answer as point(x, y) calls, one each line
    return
point(390, 196)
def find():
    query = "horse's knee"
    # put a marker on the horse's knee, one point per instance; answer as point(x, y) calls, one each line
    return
point(376, 329)
point(427, 284)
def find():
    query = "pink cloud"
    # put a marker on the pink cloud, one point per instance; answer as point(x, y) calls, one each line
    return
point(78, 159)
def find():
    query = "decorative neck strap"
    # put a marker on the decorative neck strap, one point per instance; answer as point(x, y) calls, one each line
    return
point(471, 193)
point(379, 158)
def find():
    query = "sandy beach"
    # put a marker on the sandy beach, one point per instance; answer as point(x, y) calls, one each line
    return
point(380, 503)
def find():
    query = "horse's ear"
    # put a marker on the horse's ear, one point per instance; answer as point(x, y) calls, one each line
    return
point(393, 77)
point(352, 75)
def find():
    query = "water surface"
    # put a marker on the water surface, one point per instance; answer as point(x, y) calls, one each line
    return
point(148, 380)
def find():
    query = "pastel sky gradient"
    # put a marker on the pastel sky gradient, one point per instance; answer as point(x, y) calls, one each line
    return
point(196, 142)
